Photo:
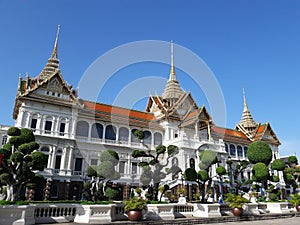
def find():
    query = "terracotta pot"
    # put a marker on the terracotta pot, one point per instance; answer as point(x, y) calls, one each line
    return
point(298, 208)
point(134, 215)
point(237, 211)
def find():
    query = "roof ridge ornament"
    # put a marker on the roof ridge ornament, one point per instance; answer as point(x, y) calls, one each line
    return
point(247, 123)
point(53, 63)
point(54, 52)
point(172, 72)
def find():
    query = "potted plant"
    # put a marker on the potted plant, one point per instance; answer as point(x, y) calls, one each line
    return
point(296, 201)
point(236, 203)
point(134, 208)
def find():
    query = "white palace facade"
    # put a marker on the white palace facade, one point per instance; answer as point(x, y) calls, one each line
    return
point(73, 132)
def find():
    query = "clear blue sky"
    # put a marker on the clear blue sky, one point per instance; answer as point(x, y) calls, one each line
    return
point(255, 44)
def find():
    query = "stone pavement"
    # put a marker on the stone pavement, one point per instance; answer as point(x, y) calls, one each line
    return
point(267, 219)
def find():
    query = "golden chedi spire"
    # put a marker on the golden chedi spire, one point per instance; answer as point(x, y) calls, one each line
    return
point(172, 72)
point(172, 90)
point(53, 62)
point(247, 122)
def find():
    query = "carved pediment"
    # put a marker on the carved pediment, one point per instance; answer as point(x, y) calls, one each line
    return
point(55, 85)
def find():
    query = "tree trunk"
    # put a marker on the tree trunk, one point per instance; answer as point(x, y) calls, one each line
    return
point(155, 191)
point(13, 192)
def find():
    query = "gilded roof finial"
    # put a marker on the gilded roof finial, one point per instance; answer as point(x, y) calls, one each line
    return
point(54, 53)
point(172, 72)
point(245, 102)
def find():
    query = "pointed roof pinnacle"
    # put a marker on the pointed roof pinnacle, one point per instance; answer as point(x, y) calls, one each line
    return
point(53, 62)
point(245, 102)
point(54, 52)
point(172, 89)
point(172, 72)
point(247, 121)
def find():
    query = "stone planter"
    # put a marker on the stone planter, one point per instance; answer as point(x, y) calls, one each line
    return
point(251, 209)
point(206, 210)
point(93, 214)
point(160, 212)
point(278, 207)
point(134, 215)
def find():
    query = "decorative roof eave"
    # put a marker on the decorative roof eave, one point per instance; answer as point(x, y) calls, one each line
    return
point(229, 135)
point(120, 119)
point(196, 117)
point(55, 73)
point(260, 135)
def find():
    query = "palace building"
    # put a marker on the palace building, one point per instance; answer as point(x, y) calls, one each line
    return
point(73, 132)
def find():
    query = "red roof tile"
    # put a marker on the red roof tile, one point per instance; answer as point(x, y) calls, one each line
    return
point(114, 110)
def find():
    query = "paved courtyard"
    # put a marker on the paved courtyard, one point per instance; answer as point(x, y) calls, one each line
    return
point(295, 220)
point(285, 221)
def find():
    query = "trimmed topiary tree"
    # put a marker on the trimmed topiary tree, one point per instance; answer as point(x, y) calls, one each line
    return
point(278, 164)
point(259, 151)
point(105, 171)
point(155, 162)
point(208, 158)
point(260, 172)
point(19, 161)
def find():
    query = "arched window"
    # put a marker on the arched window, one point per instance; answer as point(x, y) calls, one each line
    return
point(232, 150)
point(157, 138)
point(4, 139)
point(123, 134)
point(62, 127)
point(192, 163)
point(33, 122)
point(97, 131)
point(46, 151)
point(246, 151)
point(239, 151)
point(110, 132)
point(58, 159)
point(147, 137)
point(226, 147)
point(133, 137)
point(82, 129)
point(48, 125)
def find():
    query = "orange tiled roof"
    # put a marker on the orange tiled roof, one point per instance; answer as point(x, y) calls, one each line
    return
point(193, 114)
point(230, 135)
point(99, 107)
point(121, 115)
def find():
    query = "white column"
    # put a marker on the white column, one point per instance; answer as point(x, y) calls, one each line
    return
point(90, 131)
point(104, 130)
point(70, 166)
point(53, 156)
point(38, 124)
point(20, 118)
point(129, 137)
point(50, 158)
point(117, 133)
point(63, 159)
point(29, 114)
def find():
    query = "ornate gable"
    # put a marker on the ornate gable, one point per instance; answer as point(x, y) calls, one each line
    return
point(265, 133)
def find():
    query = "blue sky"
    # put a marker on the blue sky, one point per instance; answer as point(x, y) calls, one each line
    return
point(251, 44)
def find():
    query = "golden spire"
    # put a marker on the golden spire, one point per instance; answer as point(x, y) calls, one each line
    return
point(247, 121)
point(53, 62)
point(172, 72)
point(245, 102)
point(54, 53)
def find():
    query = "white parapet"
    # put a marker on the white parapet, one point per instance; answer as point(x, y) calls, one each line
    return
point(206, 210)
point(278, 207)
